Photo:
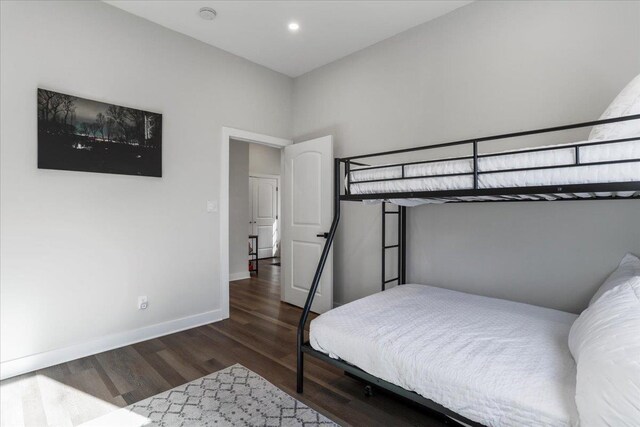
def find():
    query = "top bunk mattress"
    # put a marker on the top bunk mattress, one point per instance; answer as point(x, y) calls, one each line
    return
point(554, 159)
point(493, 361)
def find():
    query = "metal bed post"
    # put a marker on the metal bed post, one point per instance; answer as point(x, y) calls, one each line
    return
point(403, 245)
point(399, 249)
point(347, 172)
point(383, 276)
point(475, 165)
point(316, 278)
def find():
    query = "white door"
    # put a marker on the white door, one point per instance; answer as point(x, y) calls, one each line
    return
point(306, 215)
point(264, 214)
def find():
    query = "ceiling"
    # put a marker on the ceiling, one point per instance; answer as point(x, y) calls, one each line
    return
point(257, 30)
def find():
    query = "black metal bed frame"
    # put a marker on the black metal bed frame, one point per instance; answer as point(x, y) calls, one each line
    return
point(503, 195)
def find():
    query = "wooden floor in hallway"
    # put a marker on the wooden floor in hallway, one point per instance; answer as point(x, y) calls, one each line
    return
point(260, 334)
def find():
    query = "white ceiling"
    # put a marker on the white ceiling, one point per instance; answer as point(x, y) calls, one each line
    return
point(257, 30)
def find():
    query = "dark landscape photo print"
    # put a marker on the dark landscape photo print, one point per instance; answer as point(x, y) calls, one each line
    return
point(79, 134)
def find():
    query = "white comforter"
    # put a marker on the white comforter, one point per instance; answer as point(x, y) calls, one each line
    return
point(493, 361)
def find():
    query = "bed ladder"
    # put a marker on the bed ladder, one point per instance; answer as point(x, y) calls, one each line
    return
point(399, 247)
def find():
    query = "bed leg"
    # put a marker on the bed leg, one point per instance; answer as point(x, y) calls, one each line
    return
point(300, 372)
point(368, 390)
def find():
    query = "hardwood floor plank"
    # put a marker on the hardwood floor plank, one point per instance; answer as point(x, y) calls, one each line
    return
point(252, 315)
point(181, 366)
point(129, 371)
point(80, 365)
point(103, 376)
point(150, 346)
point(89, 382)
point(169, 374)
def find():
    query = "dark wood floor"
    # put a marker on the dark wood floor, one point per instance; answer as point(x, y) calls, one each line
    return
point(260, 334)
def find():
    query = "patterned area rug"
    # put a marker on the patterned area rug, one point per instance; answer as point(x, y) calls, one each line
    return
point(234, 396)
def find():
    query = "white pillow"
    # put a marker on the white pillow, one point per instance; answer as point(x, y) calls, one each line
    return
point(625, 104)
point(629, 267)
point(605, 342)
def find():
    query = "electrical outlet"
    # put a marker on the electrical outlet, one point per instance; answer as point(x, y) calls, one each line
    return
point(212, 206)
point(143, 303)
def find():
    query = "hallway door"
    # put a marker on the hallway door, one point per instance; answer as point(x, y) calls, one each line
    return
point(263, 205)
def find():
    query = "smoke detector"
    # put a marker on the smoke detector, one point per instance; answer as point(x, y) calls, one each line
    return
point(207, 13)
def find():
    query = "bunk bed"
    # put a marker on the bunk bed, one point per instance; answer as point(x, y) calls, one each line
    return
point(443, 372)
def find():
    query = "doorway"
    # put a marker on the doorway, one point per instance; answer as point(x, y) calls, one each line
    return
point(254, 201)
point(250, 206)
point(306, 212)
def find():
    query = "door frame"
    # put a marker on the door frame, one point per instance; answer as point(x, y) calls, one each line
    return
point(229, 134)
point(278, 198)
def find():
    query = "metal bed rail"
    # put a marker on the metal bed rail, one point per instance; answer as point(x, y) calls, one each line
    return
point(399, 391)
point(475, 173)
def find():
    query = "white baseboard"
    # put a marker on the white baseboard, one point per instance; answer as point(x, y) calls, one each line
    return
point(12, 368)
point(239, 276)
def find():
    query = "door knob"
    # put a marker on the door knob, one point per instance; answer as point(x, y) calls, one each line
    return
point(325, 235)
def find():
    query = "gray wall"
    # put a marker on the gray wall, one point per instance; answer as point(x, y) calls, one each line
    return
point(264, 159)
point(78, 248)
point(486, 68)
point(238, 208)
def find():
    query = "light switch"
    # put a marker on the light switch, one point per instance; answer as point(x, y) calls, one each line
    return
point(212, 206)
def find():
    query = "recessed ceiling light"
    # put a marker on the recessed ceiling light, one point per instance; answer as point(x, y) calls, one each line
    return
point(207, 13)
point(293, 27)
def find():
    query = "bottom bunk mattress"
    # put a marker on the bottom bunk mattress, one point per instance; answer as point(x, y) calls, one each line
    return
point(493, 361)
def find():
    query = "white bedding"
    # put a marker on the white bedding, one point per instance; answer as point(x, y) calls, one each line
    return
point(493, 361)
point(620, 172)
